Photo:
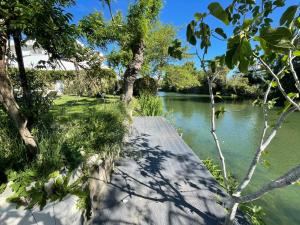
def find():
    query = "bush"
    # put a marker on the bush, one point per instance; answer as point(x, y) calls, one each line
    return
point(62, 148)
point(148, 105)
point(252, 213)
point(40, 104)
point(90, 83)
point(241, 87)
point(145, 84)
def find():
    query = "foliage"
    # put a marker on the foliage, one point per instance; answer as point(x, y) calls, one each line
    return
point(83, 82)
point(92, 82)
point(148, 105)
point(82, 127)
point(181, 77)
point(252, 212)
point(126, 33)
point(241, 87)
point(216, 172)
point(157, 43)
point(40, 104)
point(46, 22)
point(145, 85)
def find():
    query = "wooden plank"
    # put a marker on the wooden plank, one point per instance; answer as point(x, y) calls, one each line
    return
point(159, 181)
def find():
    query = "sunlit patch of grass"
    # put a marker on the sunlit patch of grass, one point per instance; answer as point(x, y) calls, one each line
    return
point(79, 127)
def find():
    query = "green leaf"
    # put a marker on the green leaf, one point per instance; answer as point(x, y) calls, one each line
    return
point(243, 66)
point(275, 35)
point(221, 60)
point(296, 53)
point(297, 22)
point(220, 31)
point(217, 11)
point(298, 182)
point(293, 95)
point(54, 174)
point(245, 49)
point(199, 16)
point(288, 16)
point(247, 23)
point(213, 66)
point(218, 95)
point(228, 58)
point(59, 181)
point(274, 84)
point(220, 112)
point(279, 3)
point(175, 50)
point(190, 35)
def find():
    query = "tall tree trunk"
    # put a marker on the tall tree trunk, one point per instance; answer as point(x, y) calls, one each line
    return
point(132, 71)
point(10, 104)
point(22, 72)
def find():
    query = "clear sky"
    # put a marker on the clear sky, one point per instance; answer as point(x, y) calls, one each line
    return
point(176, 12)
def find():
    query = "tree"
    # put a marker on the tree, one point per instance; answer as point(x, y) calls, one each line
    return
point(44, 22)
point(128, 34)
point(7, 98)
point(47, 24)
point(157, 44)
point(254, 42)
point(179, 78)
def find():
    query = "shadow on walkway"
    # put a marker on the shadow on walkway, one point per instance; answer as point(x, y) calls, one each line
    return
point(160, 181)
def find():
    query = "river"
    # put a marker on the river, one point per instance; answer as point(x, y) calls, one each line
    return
point(239, 131)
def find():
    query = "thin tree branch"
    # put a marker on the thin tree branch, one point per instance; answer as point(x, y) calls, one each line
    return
point(213, 130)
point(264, 143)
point(292, 65)
point(289, 178)
point(278, 82)
point(213, 123)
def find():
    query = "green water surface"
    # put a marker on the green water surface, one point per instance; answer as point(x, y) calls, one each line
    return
point(239, 131)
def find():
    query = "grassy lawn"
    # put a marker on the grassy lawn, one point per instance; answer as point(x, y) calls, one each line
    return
point(69, 107)
point(74, 129)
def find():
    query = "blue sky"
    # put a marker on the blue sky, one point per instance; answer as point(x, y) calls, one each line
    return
point(176, 12)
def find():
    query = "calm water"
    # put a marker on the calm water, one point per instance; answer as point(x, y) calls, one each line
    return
point(239, 131)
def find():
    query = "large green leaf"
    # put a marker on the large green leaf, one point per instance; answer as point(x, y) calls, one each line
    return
point(245, 49)
point(288, 16)
point(244, 64)
point(228, 58)
point(275, 35)
point(221, 32)
point(217, 11)
point(296, 53)
point(190, 34)
point(199, 16)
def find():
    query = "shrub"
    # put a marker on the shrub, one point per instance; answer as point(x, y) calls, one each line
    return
point(90, 83)
point(145, 84)
point(40, 104)
point(62, 147)
point(253, 213)
point(241, 87)
point(149, 105)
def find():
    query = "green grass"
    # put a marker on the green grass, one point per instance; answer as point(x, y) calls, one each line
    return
point(148, 105)
point(73, 130)
point(69, 107)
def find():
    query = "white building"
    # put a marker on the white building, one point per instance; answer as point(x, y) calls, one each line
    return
point(38, 57)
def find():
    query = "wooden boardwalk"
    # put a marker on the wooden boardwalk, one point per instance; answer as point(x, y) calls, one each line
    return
point(159, 181)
